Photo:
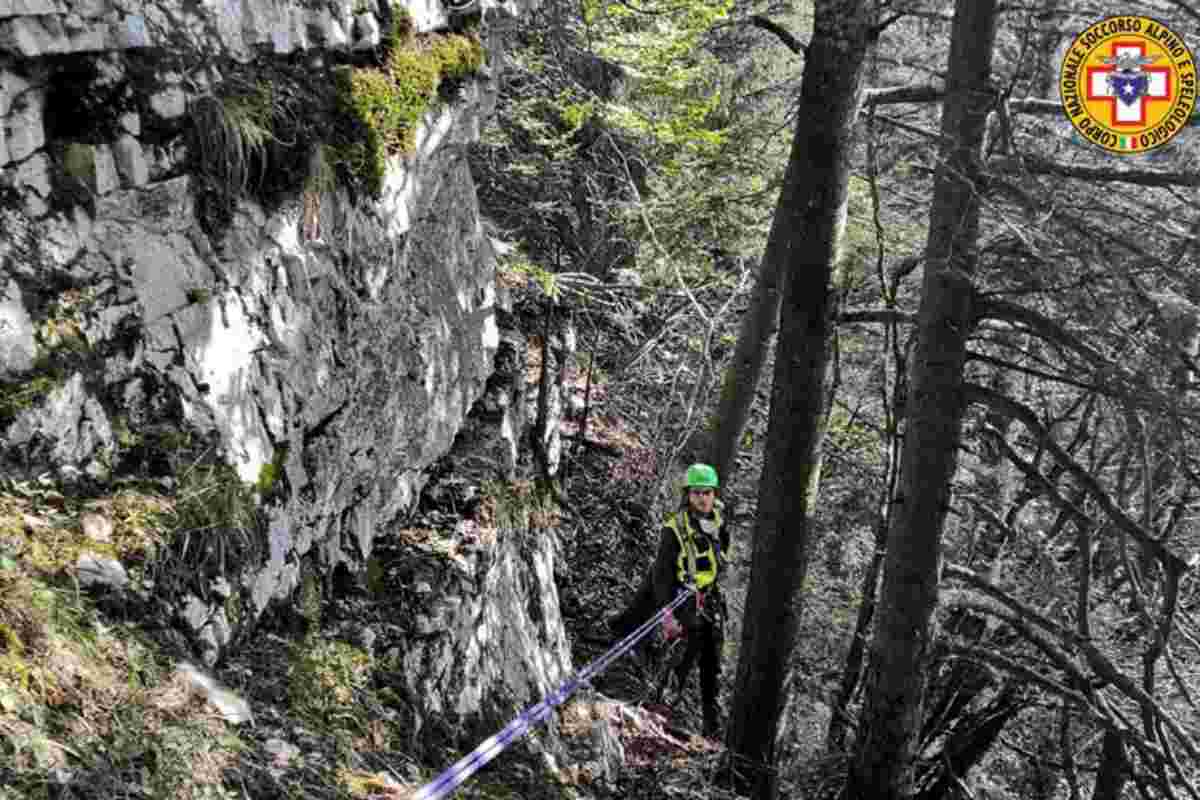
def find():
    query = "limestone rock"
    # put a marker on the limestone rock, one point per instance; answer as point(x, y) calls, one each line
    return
point(366, 32)
point(227, 702)
point(195, 613)
point(17, 345)
point(130, 32)
point(33, 37)
point(29, 8)
point(331, 374)
point(69, 427)
point(96, 571)
point(131, 161)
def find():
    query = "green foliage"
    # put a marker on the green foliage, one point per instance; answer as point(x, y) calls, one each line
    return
point(517, 270)
point(641, 151)
point(212, 497)
point(16, 397)
point(197, 296)
point(679, 106)
point(366, 95)
point(402, 30)
point(575, 114)
point(79, 161)
point(386, 104)
point(270, 473)
point(98, 693)
point(323, 681)
point(212, 529)
point(308, 596)
point(860, 244)
point(231, 134)
point(62, 347)
point(274, 132)
point(376, 578)
point(853, 434)
point(457, 56)
point(517, 506)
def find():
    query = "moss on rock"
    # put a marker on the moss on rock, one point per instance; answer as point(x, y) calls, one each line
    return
point(386, 104)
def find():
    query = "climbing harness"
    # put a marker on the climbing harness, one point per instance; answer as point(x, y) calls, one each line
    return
point(698, 567)
point(494, 745)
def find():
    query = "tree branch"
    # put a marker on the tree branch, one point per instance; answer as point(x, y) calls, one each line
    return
point(876, 315)
point(783, 34)
point(913, 93)
point(1087, 480)
point(1186, 8)
point(928, 93)
point(878, 30)
point(1004, 598)
point(1041, 325)
point(1038, 166)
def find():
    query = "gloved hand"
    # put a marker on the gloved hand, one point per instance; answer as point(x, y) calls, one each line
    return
point(671, 627)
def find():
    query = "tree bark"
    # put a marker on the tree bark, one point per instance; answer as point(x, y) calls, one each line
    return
point(881, 768)
point(1114, 769)
point(805, 236)
point(759, 325)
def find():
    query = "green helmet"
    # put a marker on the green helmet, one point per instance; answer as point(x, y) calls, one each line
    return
point(701, 476)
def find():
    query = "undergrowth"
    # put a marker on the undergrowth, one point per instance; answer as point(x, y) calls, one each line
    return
point(92, 705)
point(272, 132)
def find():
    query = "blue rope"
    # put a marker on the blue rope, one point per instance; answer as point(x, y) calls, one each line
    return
point(494, 745)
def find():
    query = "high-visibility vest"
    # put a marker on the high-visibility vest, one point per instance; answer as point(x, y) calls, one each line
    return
point(694, 566)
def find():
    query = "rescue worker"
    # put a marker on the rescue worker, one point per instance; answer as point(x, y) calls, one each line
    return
point(690, 552)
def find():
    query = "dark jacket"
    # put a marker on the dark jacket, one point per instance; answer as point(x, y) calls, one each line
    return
point(666, 579)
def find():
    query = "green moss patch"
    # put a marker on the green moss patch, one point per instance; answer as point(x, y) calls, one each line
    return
point(386, 103)
point(273, 131)
point(15, 397)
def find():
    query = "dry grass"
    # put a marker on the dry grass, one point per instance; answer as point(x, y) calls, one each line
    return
point(83, 693)
point(45, 529)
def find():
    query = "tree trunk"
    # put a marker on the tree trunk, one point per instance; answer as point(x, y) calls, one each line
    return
point(1114, 768)
point(882, 764)
point(805, 236)
point(740, 383)
point(835, 738)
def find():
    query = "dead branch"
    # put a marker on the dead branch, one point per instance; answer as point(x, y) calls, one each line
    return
point(781, 33)
point(1086, 479)
point(1137, 177)
point(887, 316)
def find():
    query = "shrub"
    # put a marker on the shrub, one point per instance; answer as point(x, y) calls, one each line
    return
point(323, 681)
point(385, 105)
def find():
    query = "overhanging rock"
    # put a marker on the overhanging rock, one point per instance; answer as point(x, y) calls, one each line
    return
point(328, 344)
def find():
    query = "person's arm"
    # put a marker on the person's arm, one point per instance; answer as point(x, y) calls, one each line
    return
point(664, 568)
point(723, 538)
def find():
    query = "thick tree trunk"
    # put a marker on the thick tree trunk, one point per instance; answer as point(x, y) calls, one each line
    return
point(759, 325)
point(882, 764)
point(804, 240)
point(1114, 768)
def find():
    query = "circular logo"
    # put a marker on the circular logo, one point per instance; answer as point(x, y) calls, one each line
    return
point(1128, 84)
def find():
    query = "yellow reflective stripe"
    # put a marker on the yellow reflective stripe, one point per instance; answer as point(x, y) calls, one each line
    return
point(688, 554)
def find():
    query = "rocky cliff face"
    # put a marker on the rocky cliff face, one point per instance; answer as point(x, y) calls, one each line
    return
point(325, 340)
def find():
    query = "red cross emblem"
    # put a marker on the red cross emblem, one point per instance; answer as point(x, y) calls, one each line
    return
point(1147, 85)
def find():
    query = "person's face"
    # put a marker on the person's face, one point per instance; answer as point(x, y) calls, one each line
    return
point(701, 500)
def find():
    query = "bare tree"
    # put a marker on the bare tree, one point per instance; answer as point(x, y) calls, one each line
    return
point(803, 245)
point(881, 767)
